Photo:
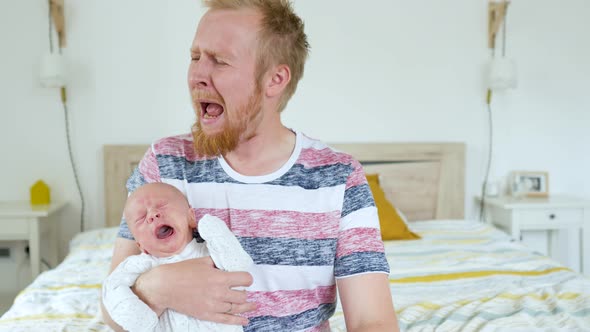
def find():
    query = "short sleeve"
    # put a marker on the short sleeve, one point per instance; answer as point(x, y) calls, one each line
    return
point(359, 248)
point(146, 172)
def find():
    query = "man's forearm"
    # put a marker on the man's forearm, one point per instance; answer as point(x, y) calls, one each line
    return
point(146, 288)
point(376, 327)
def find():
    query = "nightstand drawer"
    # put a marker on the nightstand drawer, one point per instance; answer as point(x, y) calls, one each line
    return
point(551, 218)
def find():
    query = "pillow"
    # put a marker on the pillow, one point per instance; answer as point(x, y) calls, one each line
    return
point(392, 225)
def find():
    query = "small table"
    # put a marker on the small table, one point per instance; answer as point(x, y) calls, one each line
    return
point(556, 212)
point(19, 220)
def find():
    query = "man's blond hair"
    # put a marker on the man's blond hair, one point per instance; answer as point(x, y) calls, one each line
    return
point(281, 38)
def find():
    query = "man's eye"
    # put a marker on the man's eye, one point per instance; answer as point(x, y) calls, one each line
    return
point(220, 62)
point(195, 57)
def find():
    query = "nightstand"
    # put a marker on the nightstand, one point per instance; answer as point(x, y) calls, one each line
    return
point(21, 221)
point(515, 215)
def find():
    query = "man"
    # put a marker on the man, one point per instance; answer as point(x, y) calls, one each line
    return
point(302, 211)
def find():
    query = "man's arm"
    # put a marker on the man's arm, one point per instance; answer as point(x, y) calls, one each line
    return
point(367, 303)
point(198, 288)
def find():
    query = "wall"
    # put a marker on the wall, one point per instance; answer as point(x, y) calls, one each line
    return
point(396, 71)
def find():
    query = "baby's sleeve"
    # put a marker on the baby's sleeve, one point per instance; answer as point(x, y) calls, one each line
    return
point(124, 307)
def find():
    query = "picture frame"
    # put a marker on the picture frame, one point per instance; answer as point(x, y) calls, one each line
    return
point(529, 183)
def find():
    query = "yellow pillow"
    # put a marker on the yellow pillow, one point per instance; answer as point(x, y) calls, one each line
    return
point(392, 225)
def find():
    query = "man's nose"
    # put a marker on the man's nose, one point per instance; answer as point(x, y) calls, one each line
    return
point(199, 74)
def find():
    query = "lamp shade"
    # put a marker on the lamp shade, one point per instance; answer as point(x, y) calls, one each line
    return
point(502, 74)
point(52, 71)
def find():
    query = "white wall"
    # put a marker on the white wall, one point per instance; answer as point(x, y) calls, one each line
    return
point(396, 71)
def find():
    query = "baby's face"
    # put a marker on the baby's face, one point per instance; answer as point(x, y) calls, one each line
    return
point(160, 219)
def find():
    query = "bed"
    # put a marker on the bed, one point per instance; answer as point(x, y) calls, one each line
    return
point(461, 275)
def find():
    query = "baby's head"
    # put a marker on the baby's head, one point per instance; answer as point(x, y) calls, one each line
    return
point(160, 219)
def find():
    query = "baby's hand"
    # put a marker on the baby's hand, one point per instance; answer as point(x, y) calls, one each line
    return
point(225, 249)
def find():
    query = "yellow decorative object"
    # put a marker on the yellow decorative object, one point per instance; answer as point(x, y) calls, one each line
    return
point(392, 225)
point(40, 193)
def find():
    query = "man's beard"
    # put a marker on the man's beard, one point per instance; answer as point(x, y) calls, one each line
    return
point(237, 123)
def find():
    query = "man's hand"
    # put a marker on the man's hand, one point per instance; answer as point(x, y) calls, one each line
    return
point(195, 287)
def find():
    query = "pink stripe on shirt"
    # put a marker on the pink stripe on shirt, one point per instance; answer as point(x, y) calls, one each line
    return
point(324, 327)
point(357, 240)
point(289, 302)
point(357, 177)
point(311, 157)
point(222, 214)
point(277, 224)
point(148, 167)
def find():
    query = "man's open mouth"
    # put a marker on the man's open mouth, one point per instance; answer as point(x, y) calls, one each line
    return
point(211, 110)
point(164, 231)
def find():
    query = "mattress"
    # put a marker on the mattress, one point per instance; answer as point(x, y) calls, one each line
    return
point(461, 276)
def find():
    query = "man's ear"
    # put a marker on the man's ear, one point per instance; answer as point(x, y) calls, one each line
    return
point(280, 76)
point(192, 222)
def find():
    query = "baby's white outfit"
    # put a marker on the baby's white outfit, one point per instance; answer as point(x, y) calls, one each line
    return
point(132, 314)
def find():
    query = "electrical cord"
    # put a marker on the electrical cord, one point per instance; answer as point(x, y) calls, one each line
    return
point(50, 27)
point(72, 163)
point(491, 123)
point(490, 149)
point(504, 32)
point(63, 93)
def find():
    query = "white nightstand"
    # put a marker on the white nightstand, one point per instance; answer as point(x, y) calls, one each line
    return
point(21, 221)
point(515, 215)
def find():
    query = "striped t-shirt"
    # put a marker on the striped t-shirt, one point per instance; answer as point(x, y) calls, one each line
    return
point(304, 225)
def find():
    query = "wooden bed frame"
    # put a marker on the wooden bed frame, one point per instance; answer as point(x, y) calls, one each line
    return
point(423, 180)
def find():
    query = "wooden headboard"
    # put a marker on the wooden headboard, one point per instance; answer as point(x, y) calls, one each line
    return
point(423, 180)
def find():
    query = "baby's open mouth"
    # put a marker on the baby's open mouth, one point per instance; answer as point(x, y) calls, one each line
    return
point(211, 110)
point(164, 231)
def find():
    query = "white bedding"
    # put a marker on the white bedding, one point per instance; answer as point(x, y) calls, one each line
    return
point(66, 298)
